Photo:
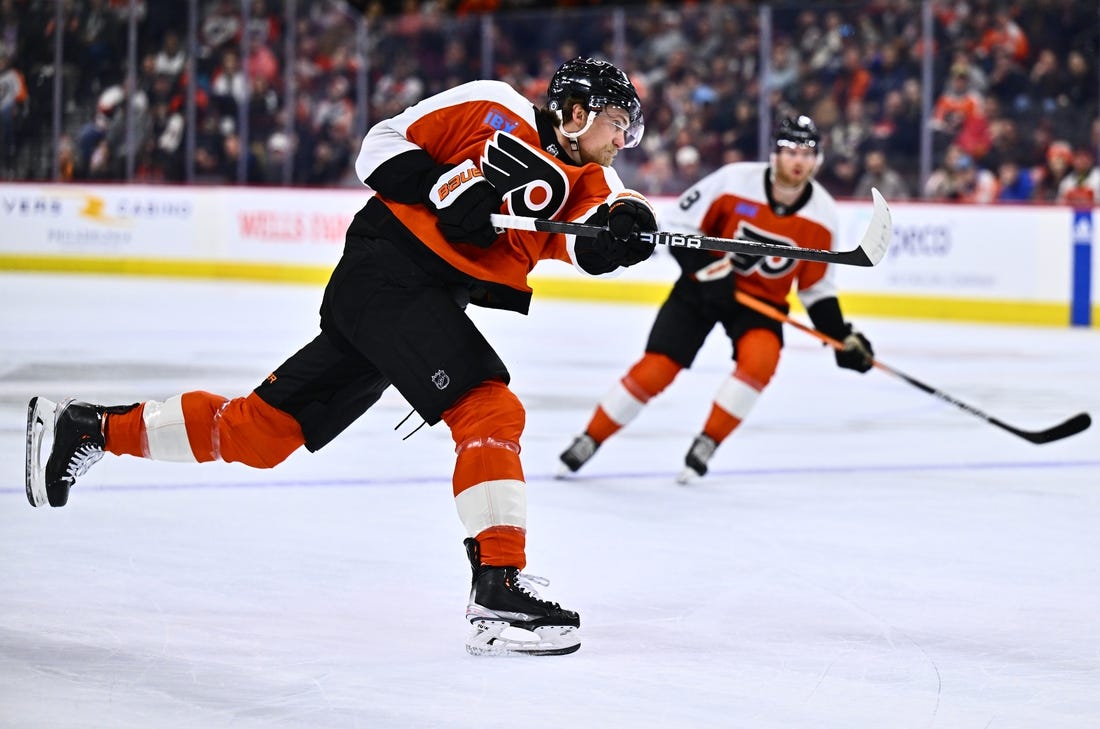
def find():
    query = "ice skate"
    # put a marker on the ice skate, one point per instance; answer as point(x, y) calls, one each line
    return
point(695, 462)
point(74, 432)
point(577, 454)
point(509, 618)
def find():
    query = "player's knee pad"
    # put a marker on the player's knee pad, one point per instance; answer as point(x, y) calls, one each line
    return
point(488, 411)
point(651, 375)
point(757, 357)
point(247, 430)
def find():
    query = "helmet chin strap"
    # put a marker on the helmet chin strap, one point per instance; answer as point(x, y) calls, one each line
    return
point(574, 136)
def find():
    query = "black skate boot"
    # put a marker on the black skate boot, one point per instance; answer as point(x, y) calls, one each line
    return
point(510, 618)
point(76, 435)
point(577, 454)
point(695, 462)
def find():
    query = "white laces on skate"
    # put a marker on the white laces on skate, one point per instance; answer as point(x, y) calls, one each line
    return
point(85, 456)
point(527, 582)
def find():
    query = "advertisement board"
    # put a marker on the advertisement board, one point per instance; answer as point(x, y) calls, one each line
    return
point(1004, 263)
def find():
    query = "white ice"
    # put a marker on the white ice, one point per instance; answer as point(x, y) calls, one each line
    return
point(862, 555)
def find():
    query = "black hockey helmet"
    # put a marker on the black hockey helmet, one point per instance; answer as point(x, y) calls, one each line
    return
point(599, 84)
point(797, 131)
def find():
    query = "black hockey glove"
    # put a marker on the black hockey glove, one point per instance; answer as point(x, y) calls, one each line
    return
point(620, 244)
point(857, 353)
point(463, 200)
point(625, 220)
point(717, 282)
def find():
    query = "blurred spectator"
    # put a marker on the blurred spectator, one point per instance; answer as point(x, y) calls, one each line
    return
point(889, 70)
point(1009, 84)
point(91, 141)
point(261, 63)
point(231, 154)
point(784, 66)
point(689, 165)
point(956, 104)
point(263, 109)
point(960, 180)
point(839, 175)
point(264, 25)
point(1046, 81)
point(221, 26)
point(1048, 175)
point(229, 86)
point(1081, 187)
point(276, 153)
point(99, 37)
point(13, 30)
point(1013, 182)
point(853, 81)
point(1006, 35)
point(171, 58)
point(658, 175)
point(849, 138)
point(897, 130)
point(68, 163)
point(399, 87)
point(336, 106)
point(975, 184)
point(13, 110)
point(209, 150)
point(1080, 91)
point(877, 174)
point(975, 135)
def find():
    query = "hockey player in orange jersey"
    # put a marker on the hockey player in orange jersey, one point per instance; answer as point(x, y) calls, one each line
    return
point(393, 313)
point(778, 202)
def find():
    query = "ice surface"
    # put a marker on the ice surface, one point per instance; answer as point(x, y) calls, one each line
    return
point(861, 554)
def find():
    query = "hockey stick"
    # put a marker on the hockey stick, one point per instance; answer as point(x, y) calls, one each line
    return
point(871, 250)
point(1072, 426)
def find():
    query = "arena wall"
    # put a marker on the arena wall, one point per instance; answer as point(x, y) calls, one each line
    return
point(1028, 264)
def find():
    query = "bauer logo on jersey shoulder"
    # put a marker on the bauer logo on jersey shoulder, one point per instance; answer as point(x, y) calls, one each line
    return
point(498, 119)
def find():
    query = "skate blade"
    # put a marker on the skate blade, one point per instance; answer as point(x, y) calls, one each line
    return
point(563, 472)
point(500, 638)
point(40, 411)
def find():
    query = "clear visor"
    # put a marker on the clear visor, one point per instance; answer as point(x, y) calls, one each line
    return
point(632, 130)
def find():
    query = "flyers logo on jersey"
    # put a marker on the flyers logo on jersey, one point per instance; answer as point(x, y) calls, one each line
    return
point(766, 266)
point(456, 181)
point(530, 183)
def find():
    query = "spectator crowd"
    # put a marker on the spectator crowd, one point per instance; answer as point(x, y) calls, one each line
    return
point(1013, 114)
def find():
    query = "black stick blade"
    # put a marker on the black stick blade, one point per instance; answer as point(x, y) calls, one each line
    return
point(1073, 426)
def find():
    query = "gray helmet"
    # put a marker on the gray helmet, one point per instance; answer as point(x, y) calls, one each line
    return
point(599, 84)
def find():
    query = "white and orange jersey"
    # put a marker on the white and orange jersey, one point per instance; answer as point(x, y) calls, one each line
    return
point(732, 202)
point(495, 127)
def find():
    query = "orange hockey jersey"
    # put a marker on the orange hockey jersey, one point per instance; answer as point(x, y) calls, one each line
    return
point(492, 125)
point(732, 202)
